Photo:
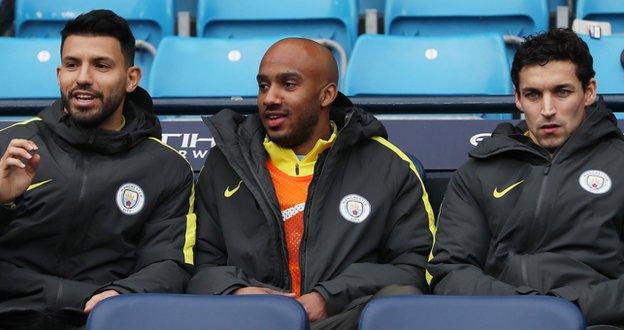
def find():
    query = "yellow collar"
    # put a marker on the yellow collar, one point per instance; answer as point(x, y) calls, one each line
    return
point(286, 160)
point(123, 123)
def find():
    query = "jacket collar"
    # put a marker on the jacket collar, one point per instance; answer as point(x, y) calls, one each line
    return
point(141, 123)
point(289, 163)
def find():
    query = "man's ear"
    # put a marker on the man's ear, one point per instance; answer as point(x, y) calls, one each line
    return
point(328, 94)
point(590, 92)
point(134, 76)
point(517, 99)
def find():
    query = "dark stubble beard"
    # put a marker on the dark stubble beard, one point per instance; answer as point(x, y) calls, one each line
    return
point(300, 133)
point(95, 119)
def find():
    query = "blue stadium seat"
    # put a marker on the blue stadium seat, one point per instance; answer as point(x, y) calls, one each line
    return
point(207, 67)
point(447, 65)
point(28, 68)
point(150, 20)
point(315, 19)
point(426, 17)
point(611, 11)
point(471, 313)
point(195, 312)
point(607, 54)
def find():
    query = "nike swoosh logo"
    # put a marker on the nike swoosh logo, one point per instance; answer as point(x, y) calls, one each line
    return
point(37, 185)
point(500, 194)
point(228, 193)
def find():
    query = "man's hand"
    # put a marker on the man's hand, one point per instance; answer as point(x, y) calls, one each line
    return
point(314, 305)
point(97, 298)
point(17, 169)
point(260, 290)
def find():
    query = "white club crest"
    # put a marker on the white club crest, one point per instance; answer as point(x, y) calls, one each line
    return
point(130, 198)
point(354, 208)
point(594, 181)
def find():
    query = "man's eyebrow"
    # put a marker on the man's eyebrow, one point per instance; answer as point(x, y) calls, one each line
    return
point(529, 89)
point(287, 75)
point(95, 59)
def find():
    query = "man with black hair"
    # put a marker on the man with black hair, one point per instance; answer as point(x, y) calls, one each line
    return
point(93, 204)
point(537, 209)
point(307, 199)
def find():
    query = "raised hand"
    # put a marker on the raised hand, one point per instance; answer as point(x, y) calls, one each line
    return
point(18, 166)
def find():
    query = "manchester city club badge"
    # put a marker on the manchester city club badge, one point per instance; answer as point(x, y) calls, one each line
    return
point(594, 181)
point(354, 208)
point(130, 198)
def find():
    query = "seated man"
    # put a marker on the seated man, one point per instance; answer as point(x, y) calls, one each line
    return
point(307, 198)
point(537, 209)
point(93, 204)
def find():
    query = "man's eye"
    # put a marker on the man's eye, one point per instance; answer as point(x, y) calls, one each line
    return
point(289, 85)
point(564, 92)
point(531, 95)
point(263, 86)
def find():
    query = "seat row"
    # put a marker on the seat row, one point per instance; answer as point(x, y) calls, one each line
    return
point(175, 311)
point(379, 65)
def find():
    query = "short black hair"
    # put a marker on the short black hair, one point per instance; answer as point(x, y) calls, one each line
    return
point(102, 23)
point(554, 45)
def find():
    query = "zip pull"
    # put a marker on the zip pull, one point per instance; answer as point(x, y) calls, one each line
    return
point(297, 168)
point(547, 169)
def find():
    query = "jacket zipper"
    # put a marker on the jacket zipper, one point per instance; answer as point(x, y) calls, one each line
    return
point(302, 246)
point(306, 216)
point(538, 210)
point(277, 215)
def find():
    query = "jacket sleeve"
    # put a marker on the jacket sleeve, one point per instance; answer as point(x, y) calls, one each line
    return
point(601, 303)
point(461, 244)
point(213, 275)
point(404, 251)
point(19, 285)
point(165, 250)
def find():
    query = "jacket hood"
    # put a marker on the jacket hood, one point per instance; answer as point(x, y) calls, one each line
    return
point(141, 123)
point(231, 128)
point(599, 123)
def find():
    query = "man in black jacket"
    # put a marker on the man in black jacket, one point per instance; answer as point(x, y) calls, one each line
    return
point(307, 198)
point(538, 208)
point(93, 204)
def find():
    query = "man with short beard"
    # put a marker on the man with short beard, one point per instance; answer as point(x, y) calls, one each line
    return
point(93, 204)
point(307, 199)
point(537, 210)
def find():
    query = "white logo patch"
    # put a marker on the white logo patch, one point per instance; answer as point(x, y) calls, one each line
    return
point(594, 181)
point(130, 198)
point(354, 208)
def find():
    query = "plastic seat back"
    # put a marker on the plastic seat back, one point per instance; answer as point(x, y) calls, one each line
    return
point(28, 68)
point(471, 313)
point(207, 67)
point(441, 65)
point(195, 312)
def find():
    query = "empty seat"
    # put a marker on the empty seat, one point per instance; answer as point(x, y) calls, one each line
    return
point(28, 68)
point(607, 54)
point(425, 17)
point(447, 65)
point(611, 11)
point(150, 20)
point(190, 312)
point(471, 313)
point(315, 19)
point(207, 67)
